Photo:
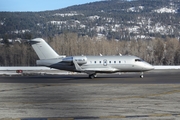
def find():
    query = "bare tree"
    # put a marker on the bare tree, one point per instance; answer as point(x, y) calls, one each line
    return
point(158, 48)
point(170, 51)
point(157, 51)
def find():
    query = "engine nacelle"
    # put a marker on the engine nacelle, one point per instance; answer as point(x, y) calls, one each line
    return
point(67, 59)
point(79, 59)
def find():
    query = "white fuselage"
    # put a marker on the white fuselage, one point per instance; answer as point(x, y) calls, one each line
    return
point(99, 64)
point(87, 64)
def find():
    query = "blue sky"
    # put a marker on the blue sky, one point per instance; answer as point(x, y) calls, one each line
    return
point(38, 5)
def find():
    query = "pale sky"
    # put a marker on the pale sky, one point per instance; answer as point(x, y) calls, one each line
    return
point(38, 5)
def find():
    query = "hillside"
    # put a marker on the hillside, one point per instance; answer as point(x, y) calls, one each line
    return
point(117, 19)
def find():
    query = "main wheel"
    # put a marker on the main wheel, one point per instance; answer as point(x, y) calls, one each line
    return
point(91, 76)
point(141, 76)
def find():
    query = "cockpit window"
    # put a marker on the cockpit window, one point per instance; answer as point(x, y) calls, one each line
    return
point(138, 60)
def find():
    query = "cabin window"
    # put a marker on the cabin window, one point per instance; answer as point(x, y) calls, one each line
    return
point(119, 61)
point(114, 61)
point(109, 61)
point(95, 62)
point(100, 62)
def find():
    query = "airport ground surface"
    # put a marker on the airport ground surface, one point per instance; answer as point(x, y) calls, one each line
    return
point(124, 97)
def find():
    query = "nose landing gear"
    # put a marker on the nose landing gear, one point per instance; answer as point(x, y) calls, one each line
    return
point(141, 75)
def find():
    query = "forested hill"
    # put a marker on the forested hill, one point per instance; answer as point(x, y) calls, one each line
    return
point(117, 19)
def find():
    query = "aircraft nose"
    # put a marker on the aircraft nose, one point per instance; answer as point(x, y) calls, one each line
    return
point(148, 66)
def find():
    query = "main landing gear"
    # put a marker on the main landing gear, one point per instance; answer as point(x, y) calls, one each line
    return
point(92, 76)
point(141, 75)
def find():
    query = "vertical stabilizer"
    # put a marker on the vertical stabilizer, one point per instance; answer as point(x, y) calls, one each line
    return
point(42, 49)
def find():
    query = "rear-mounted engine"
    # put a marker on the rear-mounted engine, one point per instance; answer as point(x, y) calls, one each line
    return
point(79, 59)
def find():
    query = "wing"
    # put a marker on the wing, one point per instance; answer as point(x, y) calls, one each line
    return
point(105, 70)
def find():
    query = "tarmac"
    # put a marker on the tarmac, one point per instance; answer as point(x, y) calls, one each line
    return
point(76, 97)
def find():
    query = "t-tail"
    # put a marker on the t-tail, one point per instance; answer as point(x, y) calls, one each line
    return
point(43, 50)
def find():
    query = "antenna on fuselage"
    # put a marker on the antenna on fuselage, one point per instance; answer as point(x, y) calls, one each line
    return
point(100, 54)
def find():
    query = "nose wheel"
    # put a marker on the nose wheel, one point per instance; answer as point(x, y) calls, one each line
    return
point(141, 75)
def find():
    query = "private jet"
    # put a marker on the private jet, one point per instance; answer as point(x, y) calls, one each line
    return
point(88, 64)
